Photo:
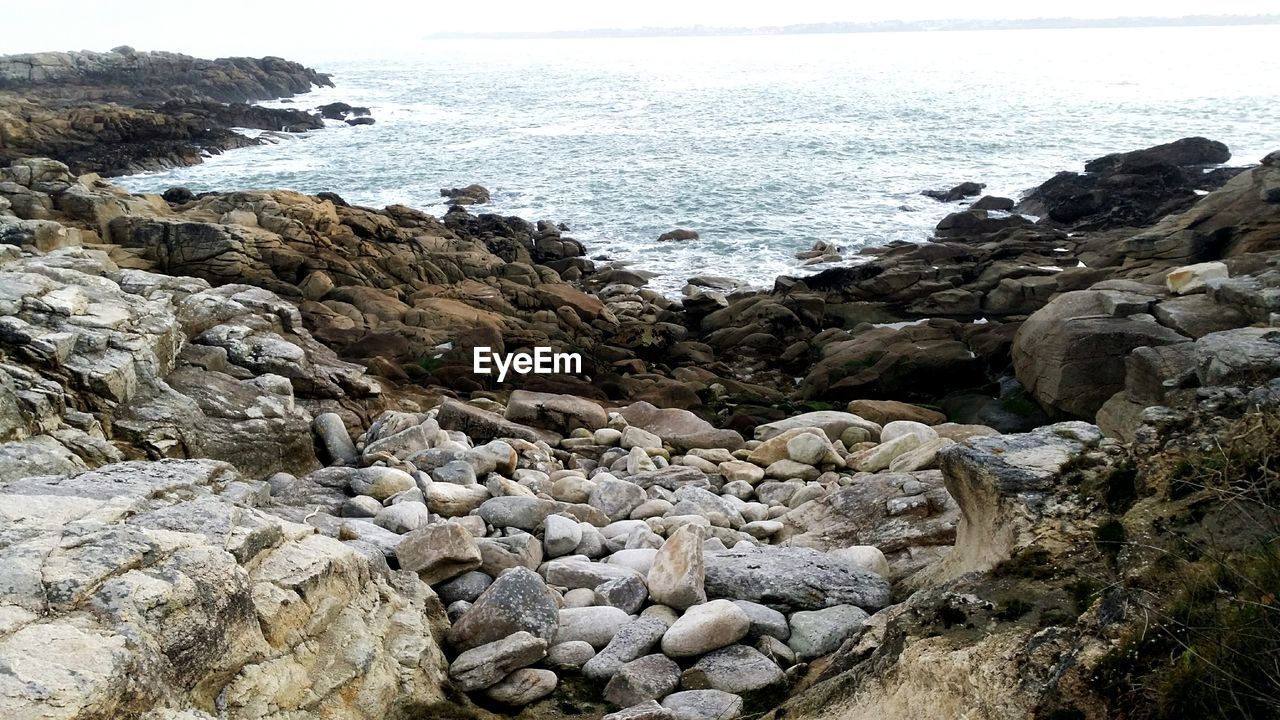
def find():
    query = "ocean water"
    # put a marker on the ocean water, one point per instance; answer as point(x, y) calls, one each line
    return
point(764, 145)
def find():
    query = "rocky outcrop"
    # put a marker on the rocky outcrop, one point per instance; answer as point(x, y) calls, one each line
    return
point(158, 586)
point(124, 112)
point(1131, 189)
point(126, 76)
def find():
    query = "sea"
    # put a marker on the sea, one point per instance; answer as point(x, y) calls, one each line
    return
point(764, 145)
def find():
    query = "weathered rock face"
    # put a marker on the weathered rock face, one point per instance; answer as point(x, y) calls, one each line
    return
point(1071, 354)
point(144, 585)
point(168, 367)
point(792, 578)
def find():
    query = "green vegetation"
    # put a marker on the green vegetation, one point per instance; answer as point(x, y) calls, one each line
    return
point(1208, 644)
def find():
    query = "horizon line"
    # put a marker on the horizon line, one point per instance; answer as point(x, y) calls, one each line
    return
point(852, 27)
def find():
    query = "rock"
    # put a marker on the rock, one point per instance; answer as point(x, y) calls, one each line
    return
point(867, 557)
point(616, 498)
point(675, 579)
point(438, 552)
point(456, 472)
point(482, 425)
point(381, 483)
point(633, 640)
point(518, 601)
point(647, 710)
point(989, 202)
point(1243, 357)
point(595, 625)
point(883, 412)
point(1071, 353)
point(765, 621)
point(678, 234)
point(571, 655)
point(792, 578)
point(525, 513)
point(703, 705)
point(739, 470)
point(807, 449)
point(737, 669)
point(882, 456)
point(959, 192)
point(647, 678)
point(466, 587)
point(831, 422)
point(561, 413)
point(335, 438)
point(680, 428)
point(403, 517)
point(486, 665)
point(524, 686)
point(470, 195)
point(449, 500)
point(361, 506)
point(633, 437)
point(921, 458)
point(574, 572)
point(816, 633)
point(1194, 278)
point(560, 535)
point(627, 594)
point(704, 628)
point(638, 559)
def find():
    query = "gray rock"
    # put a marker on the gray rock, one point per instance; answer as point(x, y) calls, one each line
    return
point(560, 535)
point(792, 578)
point(765, 621)
point(456, 472)
point(736, 669)
point(518, 601)
point(524, 686)
point(361, 506)
point(647, 710)
point(335, 438)
point(503, 553)
point(617, 498)
point(438, 552)
point(635, 639)
point(578, 573)
point(484, 666)
point(596, 625)
point(704, 628)
point(703, 705)
point(815, 633)
point(468, 586)
point(561, 413)
point(403, 517)
point(627, 594)
point(572, 655)
point(525, 513)
point(647, 678)
point(1247, 356)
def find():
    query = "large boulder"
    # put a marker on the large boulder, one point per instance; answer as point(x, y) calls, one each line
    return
point(1070, 355)
point(680, 428)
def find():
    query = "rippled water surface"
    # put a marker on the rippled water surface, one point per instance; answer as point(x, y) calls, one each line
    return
point(762, 144)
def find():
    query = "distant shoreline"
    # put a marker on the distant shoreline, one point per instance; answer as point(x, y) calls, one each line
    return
point(848, 28)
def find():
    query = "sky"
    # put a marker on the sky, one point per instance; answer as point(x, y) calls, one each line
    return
point(369, 28)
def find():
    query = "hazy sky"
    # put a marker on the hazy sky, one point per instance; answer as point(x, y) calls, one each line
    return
point(368, 28)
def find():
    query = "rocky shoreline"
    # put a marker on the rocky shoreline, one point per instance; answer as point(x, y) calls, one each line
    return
point(247, 470)
point(123, 112)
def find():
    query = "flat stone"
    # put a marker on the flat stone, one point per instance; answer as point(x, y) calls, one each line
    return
point(792, 578)
point(570, 655)
point(525, 513)
point(703, 705)
point(635, 639)
point(596, 625)
point(737, 669)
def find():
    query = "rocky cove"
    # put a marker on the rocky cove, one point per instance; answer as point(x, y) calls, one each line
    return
point(247, 470)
